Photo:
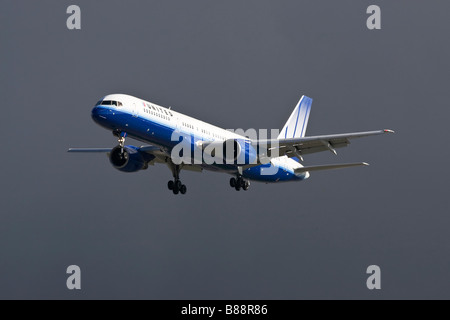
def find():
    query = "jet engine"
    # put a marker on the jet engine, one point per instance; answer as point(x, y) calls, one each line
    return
point(129, 159)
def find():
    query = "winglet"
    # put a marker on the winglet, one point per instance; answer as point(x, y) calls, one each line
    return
point(388, 131)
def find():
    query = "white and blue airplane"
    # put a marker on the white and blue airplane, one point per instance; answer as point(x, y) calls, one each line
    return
point(265, 160)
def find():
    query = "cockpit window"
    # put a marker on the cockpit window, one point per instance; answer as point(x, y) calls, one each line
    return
point(109, 103)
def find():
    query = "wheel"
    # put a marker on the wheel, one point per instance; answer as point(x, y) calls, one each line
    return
point(232, 182)
point(170, 185)
point(178, 184)
point(175, 190)
point(183, 189)
point(246, 185)
point(237, 187)
point(243, 183)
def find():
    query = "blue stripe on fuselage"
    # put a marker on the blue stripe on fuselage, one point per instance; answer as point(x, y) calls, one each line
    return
point(269, 173)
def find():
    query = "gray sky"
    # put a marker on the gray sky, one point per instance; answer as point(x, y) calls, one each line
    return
point(237, 64)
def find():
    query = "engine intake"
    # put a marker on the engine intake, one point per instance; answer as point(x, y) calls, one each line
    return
point(130, 159)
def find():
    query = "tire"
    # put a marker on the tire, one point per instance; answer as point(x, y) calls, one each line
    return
point(232, 182)
point(178, 184)
point(170, 185)
point(183, 189)
point(237, 187)
point(175, 190)
point(246, 185)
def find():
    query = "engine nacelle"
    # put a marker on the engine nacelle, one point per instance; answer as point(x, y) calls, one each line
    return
point(130, 160)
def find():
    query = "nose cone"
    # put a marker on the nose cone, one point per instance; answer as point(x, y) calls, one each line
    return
point(99, 114)
point(102, 116)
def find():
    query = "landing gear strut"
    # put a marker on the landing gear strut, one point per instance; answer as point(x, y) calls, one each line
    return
point(175, 185)
point(239, 183)
point(120, 138)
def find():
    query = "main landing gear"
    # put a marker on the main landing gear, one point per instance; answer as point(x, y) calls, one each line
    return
point(175, 185)
point(239, 183)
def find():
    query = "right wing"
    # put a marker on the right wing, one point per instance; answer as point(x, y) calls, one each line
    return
point(296, 147)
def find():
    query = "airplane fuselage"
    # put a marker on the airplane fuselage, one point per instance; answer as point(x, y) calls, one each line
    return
point(153, 124)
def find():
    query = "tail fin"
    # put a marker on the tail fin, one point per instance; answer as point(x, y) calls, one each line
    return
point(296, 125)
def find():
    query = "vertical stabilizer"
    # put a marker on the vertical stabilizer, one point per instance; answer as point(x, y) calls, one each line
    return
point(296, 125)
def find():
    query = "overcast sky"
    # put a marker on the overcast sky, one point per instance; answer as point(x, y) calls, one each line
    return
point(236, 64)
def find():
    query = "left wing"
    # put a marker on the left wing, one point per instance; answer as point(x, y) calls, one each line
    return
point(89, 150)
point(160, 155)
point(296, 147)
point(164, 157)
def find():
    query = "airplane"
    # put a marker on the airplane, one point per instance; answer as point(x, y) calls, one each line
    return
point(264, 160)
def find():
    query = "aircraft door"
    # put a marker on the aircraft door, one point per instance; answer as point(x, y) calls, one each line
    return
point(134, 111)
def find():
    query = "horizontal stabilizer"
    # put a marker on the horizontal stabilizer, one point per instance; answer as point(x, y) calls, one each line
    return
point(329, 167)
point(89, 150)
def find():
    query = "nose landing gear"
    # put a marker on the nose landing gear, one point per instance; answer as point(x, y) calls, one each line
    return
point(120, 138)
